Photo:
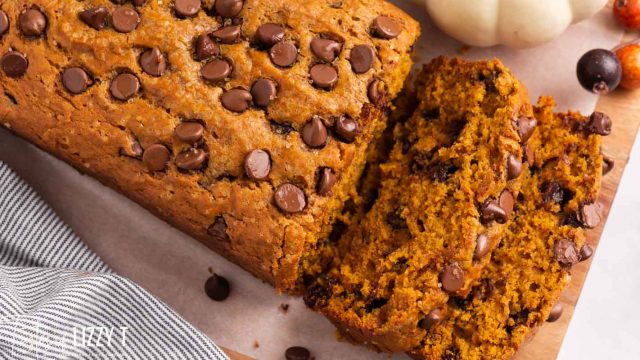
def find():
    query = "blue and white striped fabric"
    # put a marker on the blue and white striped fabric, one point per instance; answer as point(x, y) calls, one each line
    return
point(58, 300)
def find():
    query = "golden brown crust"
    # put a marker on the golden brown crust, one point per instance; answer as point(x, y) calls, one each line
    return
point(99, 135)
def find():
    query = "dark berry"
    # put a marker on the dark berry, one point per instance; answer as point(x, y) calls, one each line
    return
point(599, 71)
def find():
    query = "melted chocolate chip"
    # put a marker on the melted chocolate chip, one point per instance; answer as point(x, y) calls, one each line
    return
point(206, 48)
point(385, 27)
point(218, 230)
point(257, 164)
point(228, 34)
point(314, 133)
point(325, 49)
point(236, 100)
point(96, 18)
point(452, 278)
point(190, 132)
point(433, 318)
point(361, 58)
point(124, 86)
point(326, 181)
point(156, 157)
point(599, 123)
point(228, 8)
point(284, 54)
point(217, 288)
point(264, 91)
point(346, 129)
point(125, 19)
point(32, 22)
point(565, 252)
point(75, 80)
point(323, 76)
point(187, 8)
point(269, 34)
point(216, 70)
point(290, 198)
point(191, 159)
point(556, 312)
point(514, 167)
point(153, 62)
point(552, 193)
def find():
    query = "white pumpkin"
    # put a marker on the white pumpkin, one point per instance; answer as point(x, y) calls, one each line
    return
point(515, 23)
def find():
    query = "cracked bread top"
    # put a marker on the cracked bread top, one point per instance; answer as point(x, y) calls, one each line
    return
point(244, 123)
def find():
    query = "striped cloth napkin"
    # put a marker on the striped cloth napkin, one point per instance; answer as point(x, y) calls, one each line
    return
point(58, 300)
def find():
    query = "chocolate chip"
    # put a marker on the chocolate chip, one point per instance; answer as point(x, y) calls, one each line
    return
point(323, 76)
point(206, 48)
point(314, 133)
point(153, 62)
point(228, 34)
point(506, 202)
point(283, 54)
point(325, 49)
point(187, 8)
point(156, 157)
point(297, 353)
point(4, 22)
point(607, 164)
point(14, 64)
point(491, 210)
point(326, 181)
point(217, 288)
point(396, 220)
point(257, 165)
point(377, 91)
point(218, 230)
point(529, 155)
point(236, 100)
point(346, 129)
point(589, 215)
point(437, 172)
point(552, 192)
point(32, 22)
point(514, 167)
point(385, 27)
point(216, 70)
point(565, 253)
point(97, 17)
point(125, 19)
point(270, 34)
point(124, 86)
point(190, 132)
point(361, 58)
point(585, 252)
point(525, 126)
point(556, 312)
point(281, 129)
point(228, 8)
point(75, 80)
point(139, 2)
point(290, 198)
point(264, 91)
point(452, 278)
point(433, 318)
point(599, 123)
point(191, 159)
point(482, 247)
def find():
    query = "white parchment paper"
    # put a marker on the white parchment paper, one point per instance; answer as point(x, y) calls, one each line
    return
point(174, 267)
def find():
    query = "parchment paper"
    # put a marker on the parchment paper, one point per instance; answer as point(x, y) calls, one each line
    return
point(174, 267)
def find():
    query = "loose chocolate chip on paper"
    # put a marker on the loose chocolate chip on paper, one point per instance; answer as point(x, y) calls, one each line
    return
point(96, 18)
point(452, 278)
point(32, 22)
point(270, 34)
point(290, 198)
point(75, 80)
point(264, 91)
point(346, 129)
point(228, 34)
point(326, 181)
point(216, 70)
point(217, 288)
point(153, 62)
point(125, 19)
point(257, 164)
point(206, 48)
point(297, 353)
point(386, 27)
point(190, 132)
point(191, 159)
point(4, 22)
point(187, 8)
point(314, 133)
point(284, 54)
point(361, 58)
point(228, 8)
point(556, 312)
point(589, 215)
point(124, 86)
point(514, 167)
point(325, 49)
point(156, 157)
point(14, 64)
point(565, 252)
point(585, 252)
point(599, 123)
point(433, 318)
point(236, 100)
point(482, 247)
point(323, 76)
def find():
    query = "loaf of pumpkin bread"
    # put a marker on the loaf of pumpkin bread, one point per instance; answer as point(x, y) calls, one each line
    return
point(445, 195)
point(244, 123)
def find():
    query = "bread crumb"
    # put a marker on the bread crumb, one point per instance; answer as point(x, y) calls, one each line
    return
point(256, 344)
point(284, 308)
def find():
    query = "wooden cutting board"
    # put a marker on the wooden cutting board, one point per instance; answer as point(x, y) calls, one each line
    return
point(623, 107)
